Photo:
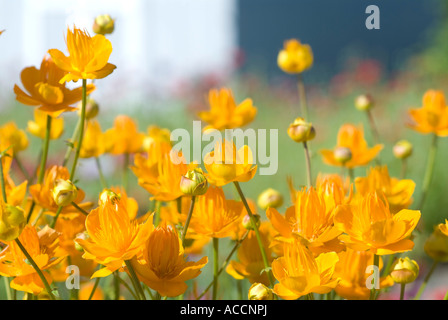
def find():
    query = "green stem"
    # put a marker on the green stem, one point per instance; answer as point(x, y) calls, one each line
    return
point(97, 282)
point(351, 174)
point(21, 167)
point(257, 233)
point(376, 263)
point(376, 136)
point(125, 171)
point(157, 213)
point(404, 168)
point(127, 287)
point(116, 286)
point(138, 286)
point(81, 129)
point(310, 296)
point(58, 212)
point(30, 212)
point(100, 172)
point(446, 296)
point(215, 267)
point(43, 159)
point(308, 164)
point(71, 143)
point(2, 181)
point(429, 170)
point(7, 288)
point(187, 222)
point(36, 268)
point(402, 289)
point(84, 212)
point(425, 281)
point(302, 96)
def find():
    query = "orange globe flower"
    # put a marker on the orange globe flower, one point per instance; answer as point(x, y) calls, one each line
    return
point(226, 164)
point(351, 138)
point(38, 126)
point(299, 273)
point(113, 236)
point(95, 142)
point(162, 265)
point(10, 135)
point(44, 89)
point(88, 56)
point(124, 136)
point(397, 192)
point(351, 269)
point(368, 224)
point(43, 246)
point(224, 113)
point(432, 117)
point(295, 57)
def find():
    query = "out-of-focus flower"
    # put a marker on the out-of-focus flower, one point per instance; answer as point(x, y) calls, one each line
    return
point(436, 246)
point(247, 221)
point(103, 24)
point(124, 136)
point(44, 89)
point(39, 125)
point(309, 219)
point(397, 192)
point(43, 247)
point(162, 265)
point(92, 108)
point(214, 216)
point(250, 262)
point(342, 155)
point(64, 192)
point(113, 237)
point(88, 56)
point(12, 221)
point(300, 273)
point(13, 136)
point(226, 164)
point(443, 227)
point(95, 143)
point(364, 102)
point(351, 269)
point(432, 117)
point(368, 224)
point(194, 183)
point(270, 198)
point(259, 291)
point(352, 137)
point(224, 113)
point(404, 270)
point(295, 57)
point(119, 194)
point(402, 149)
point(301, 131)
point(86, 290)
point(154, 135)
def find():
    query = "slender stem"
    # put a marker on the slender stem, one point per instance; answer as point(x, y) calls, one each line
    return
point(21, 167)
point(390, 262)
point(97, 281)
point(446, 296)
point(125, 171)
point(308, 164)
point(100, 172)
point(402, 289)
point(58, 212)
point(429, 170)
point(43, 159)
point(257, 233)
point(72, 141)
point(127, 287)
point(157, 213)
point(302, 96)
point(179, 205)
point(404, 168)
point(425, 281)
point(81, 128)
point(187, 222)
point(138, 286)
point(376, 263)
point(36, 267)
point(373, 128)
point(310, 296)
point(215, 267)
point(84, 212)
point(116, 286)
point(30, 212)
point(7, 288)
point(2, 181)
point(351, 174)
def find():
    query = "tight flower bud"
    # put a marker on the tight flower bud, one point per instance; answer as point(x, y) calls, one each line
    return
point(436, 246)
point(364, 102)
point(259, 291)
point(108, 195)
point(342, 154)
point(247, 223)
point(194, 183)
point(402, 149)
point(270, 198)
point(12, 222)
point(404, 271)
point(103, 24)
point(64, 192)
point(295, 57)
point(92, 108)
point(301, 131)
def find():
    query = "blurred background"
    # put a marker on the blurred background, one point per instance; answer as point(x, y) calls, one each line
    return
point(169, 53)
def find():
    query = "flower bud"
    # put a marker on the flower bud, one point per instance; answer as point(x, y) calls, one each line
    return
point(194, 183)
point(270, 198)
point(64, 192)
point(301, 131)
point(342, 154)
point(402, 149)
point(364, 102)
point(404, 270)
point(295, 57)
point(12, 222)
point(436, 246)
point(103, 24)
point(247, 223)
point(92, 108)
point(108, 195)
point(259, 291)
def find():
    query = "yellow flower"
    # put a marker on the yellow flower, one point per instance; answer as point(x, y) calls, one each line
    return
point(259, 291)
point(436, 246)
point(88, 56)
point(397, 192)
point(95, 142)
point(214, 216)
point(295, 57)
point(368, 224)
point(124, 137)
point(13, 136)
point(156, 134)
point(225, 164)
point(45, 90)
point(432, 117)
point(130, 203)
point(39, 125)
point(86, 289)
point(163, 266)
point(113, 236)
point(352, 137)
point(43, 246)
point(224, 113)
point(443, 227)
point(351, 269)
point(12, 221)
point(300, 273)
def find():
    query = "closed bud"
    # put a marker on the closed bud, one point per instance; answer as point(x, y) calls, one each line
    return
point(402, 149)
point(108, 195)
point(247, 222)
point(301, 131)
point(92, 108)
point(270, 198)
point(342, 154)
point(194, 183)
point(103, 24)
point(404, 271)
point(64, 192)
point(436, 246)
point(259, 291)
point(12, 222)
point(364, 102)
